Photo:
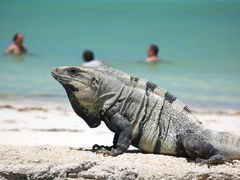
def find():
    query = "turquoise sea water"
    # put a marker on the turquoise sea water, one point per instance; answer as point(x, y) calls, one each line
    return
point(199, 44)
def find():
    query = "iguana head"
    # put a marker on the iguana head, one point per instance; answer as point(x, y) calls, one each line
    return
point(82, 86)
point(91, 91)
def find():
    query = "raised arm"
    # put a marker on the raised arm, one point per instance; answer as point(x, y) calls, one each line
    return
point(122, 139)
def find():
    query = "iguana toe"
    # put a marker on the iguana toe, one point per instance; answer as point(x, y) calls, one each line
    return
point(113, 152)
point(97, 147)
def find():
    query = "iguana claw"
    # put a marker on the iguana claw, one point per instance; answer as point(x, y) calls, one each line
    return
point(106, 150)
point(97, 147)
point(210, 162)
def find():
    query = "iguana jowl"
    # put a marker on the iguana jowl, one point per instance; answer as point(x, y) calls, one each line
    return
point(143, 115)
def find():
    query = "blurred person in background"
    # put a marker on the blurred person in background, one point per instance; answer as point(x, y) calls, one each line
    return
point(17, 47)
point(90, 61)
point(152, 54)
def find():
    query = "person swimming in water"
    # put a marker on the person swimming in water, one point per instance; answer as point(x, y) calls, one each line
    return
point(17, 47)
point(89, 61)
point(152, 54)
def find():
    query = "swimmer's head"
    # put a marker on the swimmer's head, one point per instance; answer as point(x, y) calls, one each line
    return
point(88, 55)
point(18, 38)
point(152, 50)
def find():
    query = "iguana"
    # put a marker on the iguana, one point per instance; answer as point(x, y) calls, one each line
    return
point(142, 114)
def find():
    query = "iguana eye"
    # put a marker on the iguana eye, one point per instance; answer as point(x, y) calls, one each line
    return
point(73, 71)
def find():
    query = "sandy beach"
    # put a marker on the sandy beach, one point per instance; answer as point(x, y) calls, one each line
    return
point(34, 121)
point(46, 139)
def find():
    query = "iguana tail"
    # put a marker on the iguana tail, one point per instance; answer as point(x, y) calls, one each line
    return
point(227, 143)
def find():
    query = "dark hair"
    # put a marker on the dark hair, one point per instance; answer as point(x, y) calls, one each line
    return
point(88, 55)
point(15, 37)
point(154, 48)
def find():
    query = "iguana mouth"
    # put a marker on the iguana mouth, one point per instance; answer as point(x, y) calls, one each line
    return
point(63, 79)
point(60, 78)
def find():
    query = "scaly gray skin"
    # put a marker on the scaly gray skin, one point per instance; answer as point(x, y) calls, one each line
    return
point(143, 115)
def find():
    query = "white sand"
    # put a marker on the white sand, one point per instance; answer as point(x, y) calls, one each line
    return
point(37, 123)
point(34, 122)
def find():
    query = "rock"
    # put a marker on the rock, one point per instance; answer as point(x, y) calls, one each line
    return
point(52, 162)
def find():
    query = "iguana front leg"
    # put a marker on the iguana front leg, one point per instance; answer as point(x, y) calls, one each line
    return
point(122, 139)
